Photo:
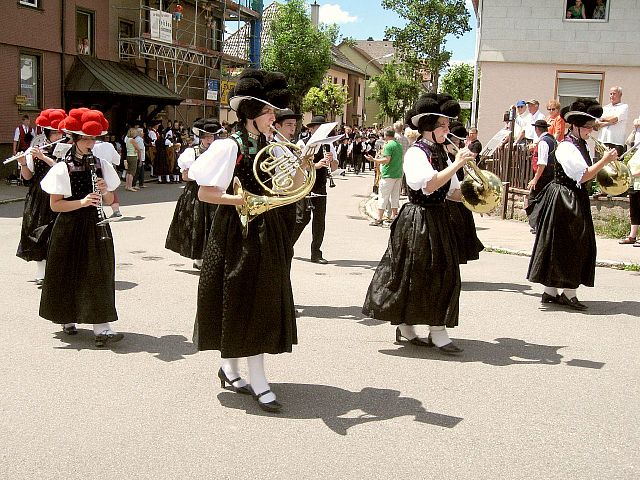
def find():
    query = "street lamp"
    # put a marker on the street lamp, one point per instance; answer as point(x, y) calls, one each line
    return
point(364, 99)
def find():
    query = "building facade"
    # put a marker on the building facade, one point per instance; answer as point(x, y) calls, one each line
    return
point(541, 50)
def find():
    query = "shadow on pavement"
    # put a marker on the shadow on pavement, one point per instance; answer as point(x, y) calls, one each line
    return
point(167, 348)
point(506, 351)
point(123, 285)
point(350, 312)
point(340, 409)
point(494, 287)
point(368, 264)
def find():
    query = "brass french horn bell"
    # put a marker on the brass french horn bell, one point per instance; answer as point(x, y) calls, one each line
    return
point(481, 189)
point(614, 178)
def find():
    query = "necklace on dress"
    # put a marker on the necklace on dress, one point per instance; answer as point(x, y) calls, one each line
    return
point(253, 136)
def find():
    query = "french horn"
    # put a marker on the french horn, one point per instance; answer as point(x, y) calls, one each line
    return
point(614, 178)
point(481, 189)
point(284, 173)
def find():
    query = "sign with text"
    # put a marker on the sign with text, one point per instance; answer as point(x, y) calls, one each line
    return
point(225, 90)
point(161, 25)
point(212, 89)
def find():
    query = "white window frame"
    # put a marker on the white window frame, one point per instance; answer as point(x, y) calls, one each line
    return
point(30, 3)
point(36, 80)
point(586, 20)
point(581, 80)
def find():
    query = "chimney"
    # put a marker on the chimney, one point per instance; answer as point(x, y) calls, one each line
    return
point(315, 13)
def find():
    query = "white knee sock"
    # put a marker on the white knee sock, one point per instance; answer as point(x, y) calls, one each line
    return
point(67, 325)
point(439, 335)
point(100, 328)
point(553, 291)
point(231, 368)
point(258, 379)
point(198, 262)
point(570, 292)
point(40, 268)
point(407, 331)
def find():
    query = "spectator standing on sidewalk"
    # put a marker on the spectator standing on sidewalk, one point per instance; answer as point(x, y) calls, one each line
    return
point(557, 125)
point(390, 163)
point(23, 135)
point(613, 123)
point(139, 176)
point(634, 192)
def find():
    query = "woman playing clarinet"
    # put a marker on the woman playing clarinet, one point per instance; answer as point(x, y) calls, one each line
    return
point(79, 282)
point(37, 219)
point(417, 282)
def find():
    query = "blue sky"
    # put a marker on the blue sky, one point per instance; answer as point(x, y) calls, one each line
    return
point(361, 19)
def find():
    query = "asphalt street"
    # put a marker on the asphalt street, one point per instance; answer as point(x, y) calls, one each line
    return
point(539, 393)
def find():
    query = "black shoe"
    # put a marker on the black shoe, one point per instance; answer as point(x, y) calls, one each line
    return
point(196, 266)
point(414, 341)
point(448, 349)
point(70, 330)
point(272, 407)
point(546, 298)
point(319, 260)
point(224, 380)
point(39, 281)
point(573, 303)
point(105, 339)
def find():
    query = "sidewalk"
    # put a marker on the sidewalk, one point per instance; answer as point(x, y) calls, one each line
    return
point(514, 237)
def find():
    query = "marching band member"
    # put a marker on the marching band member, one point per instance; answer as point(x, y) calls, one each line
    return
point(192, 218)
point(106, 151)
point(245, 301)
point(417, 282)
point(38, 217)
point(564, 252)
point(286, 123)
point(464, 227)
point(79, 282)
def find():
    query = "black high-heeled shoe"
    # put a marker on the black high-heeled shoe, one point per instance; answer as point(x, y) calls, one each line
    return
point(414, 341)
point(224, 380)
point(448, 349)
point(272, 407)
point(70, 329)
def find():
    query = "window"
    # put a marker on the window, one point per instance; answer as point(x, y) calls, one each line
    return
point(572, 85)
point(581, 10)
point(84, 33)
point(215, 31)
point(30, 3)
point(343, 82)
point(126, 29)
point(30, 80)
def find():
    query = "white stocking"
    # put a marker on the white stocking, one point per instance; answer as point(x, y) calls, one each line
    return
point(231, 368)
point(40, 268)
point(553, 291)
point(407, 331)
point(100, 328)
point(198, 262)
point(570, 292)
point(439, 335)
point(257, 378)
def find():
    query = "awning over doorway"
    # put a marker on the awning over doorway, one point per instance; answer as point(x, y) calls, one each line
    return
point(90, 75)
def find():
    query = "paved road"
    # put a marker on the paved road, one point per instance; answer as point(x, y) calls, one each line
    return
point(539, 393)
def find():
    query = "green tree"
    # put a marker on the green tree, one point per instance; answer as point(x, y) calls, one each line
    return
point(458, 82)
point(298, 49)
point(394, 90)
point(328, 100)
point(422, 41)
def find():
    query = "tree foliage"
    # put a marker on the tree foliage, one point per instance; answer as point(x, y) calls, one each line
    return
point(458, 82)
point(394, 90)
point(422, 41)
point(328, 100)
point(298, 49)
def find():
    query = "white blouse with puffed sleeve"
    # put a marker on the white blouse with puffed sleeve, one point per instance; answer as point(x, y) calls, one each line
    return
point(215, 167)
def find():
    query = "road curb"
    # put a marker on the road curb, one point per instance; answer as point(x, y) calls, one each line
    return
point(11, 200)
point(366, 210)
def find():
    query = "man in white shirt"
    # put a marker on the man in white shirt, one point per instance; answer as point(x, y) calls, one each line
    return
point(23, 135)
point(534, 115)
point(613, 123)
point(520, 123)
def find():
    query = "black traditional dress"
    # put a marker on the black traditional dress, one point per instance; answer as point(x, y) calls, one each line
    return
point(37, 219)
point(469, 245)
point(417, 282)
point(192, 219)
point(245, 301)
point(79, 282)
point(564, 252)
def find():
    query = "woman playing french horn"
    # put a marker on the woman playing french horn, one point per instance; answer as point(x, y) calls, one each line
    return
point(417, 282)
point(564, 252)
point(245, 301)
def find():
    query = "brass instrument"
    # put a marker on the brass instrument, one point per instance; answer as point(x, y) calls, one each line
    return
point(481, 189)
point(104, 231)
point(291, 177)
point(614, 178)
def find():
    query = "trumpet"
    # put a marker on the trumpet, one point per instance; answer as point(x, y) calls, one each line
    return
point(30, 149)
point(481, 189)
point(289, 178)
point(614, 178)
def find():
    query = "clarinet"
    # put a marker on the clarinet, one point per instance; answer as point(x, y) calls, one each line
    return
point(326, 148)
point(104, 231)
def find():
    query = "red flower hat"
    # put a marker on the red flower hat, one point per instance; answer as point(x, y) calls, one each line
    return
point(51, 118)
point(86, 122)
